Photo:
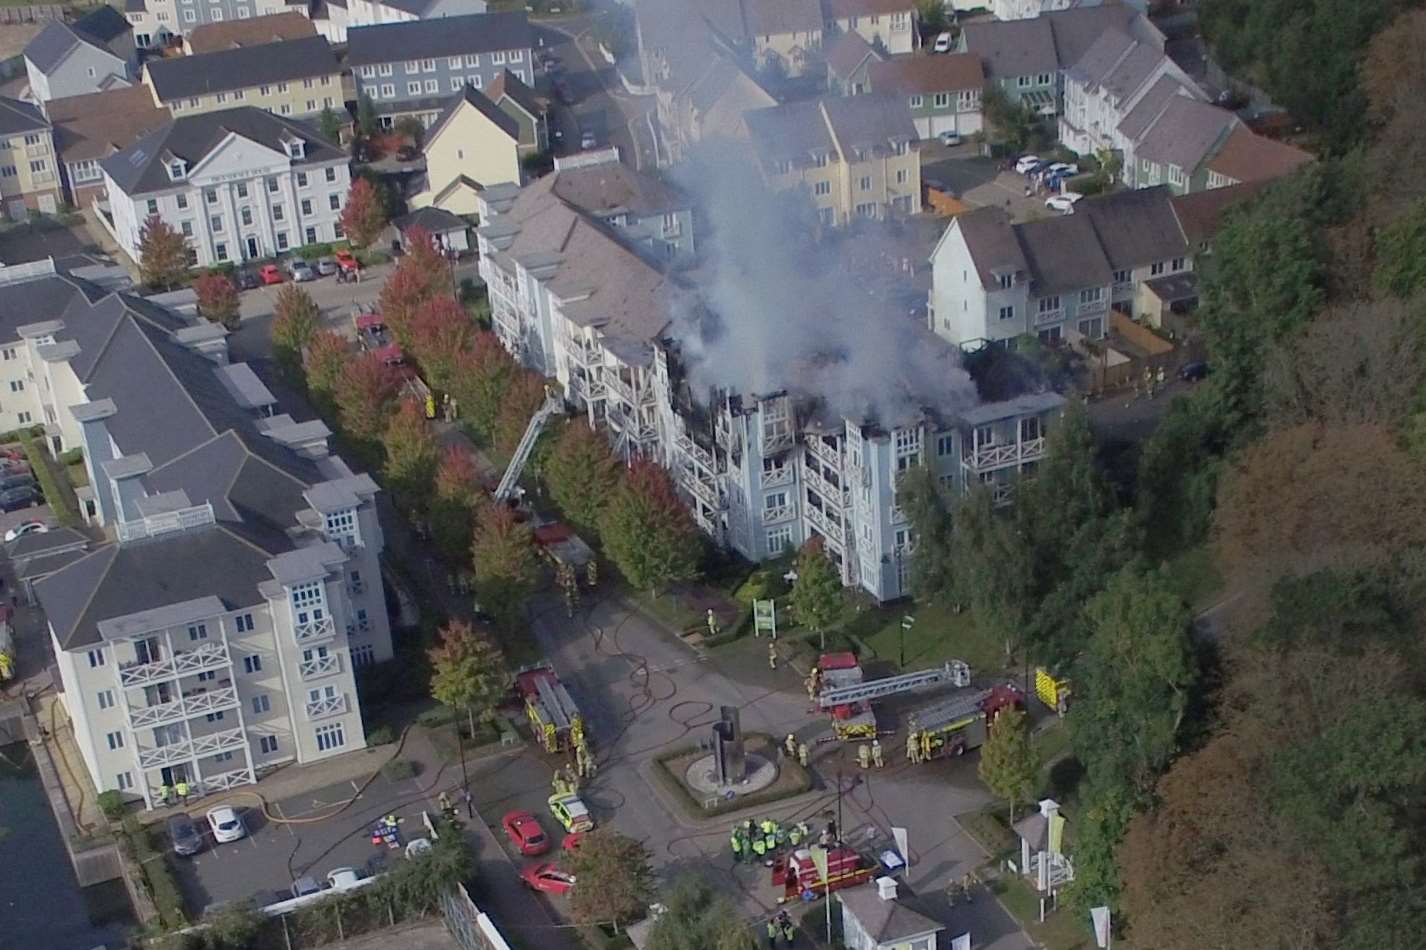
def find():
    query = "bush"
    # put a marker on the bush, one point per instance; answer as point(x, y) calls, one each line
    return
point(440, 716)
point(399, 769)
point(381, 735)
point(158, 876)
point(18, 435)
point(310, 252)
point(73, 457)
point(111, 803)
point(57, 495)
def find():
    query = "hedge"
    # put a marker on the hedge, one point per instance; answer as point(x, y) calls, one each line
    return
point(158, 876)
point(58, 499)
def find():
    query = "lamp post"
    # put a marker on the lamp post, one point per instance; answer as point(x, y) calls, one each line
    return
point(464, 778)
point(906, 622)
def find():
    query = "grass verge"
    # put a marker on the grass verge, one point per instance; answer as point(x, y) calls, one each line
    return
point(52, 482)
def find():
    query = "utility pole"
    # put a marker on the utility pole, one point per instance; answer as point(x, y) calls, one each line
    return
point(464, 778)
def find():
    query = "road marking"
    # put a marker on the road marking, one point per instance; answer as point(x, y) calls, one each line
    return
point(356, 788)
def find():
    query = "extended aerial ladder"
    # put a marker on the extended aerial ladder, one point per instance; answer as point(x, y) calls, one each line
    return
point(957, 723)
point(554, 717)
point(954, 673)
point(553, 403)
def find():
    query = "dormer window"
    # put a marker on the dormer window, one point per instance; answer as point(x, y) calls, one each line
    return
point(176, 170)
point(296, 148)
point(342, 527)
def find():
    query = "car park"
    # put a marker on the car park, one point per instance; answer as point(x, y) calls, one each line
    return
point(569, 810)
point(343, 879)
point(227, 824)
point(547, 878)
point(325, 267)
point(270, 274)
point(943, 44)
point(524, 831)
point(17, 498)
point(1026, 164)
point(17, 480)
point(305, 885)
point(184, 835)
point(301, 270)
point(25, 527)
point(15, 467)
point(1063, 202)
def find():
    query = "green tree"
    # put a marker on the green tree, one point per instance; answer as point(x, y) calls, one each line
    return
point(816, 596)
point(468, 672)
point(365, 396)
point(330, 125)
point(991, 556)
point(523, 397)
point(163, 254)
point(1009, 764)
point(217, 299)
point(1177, 480)
point(457, 495)
point(582, 473)
point(506, 565)
point(928, 509)
point(479, 381)
point(647, 531)
point(932, 14)
point(296, 322)
point(616, 881)
point(1401, 252)
point(324, 363)
point(363, 215)
point(1111, 166)
point(1012, 125)
point(697, 917)
point(411, 455)
point(367, 120)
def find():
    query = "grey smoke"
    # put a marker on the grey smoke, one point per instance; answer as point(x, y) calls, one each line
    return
point(782, 312)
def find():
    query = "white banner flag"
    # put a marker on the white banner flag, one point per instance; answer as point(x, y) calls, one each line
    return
point(1100, 916)
point(901, 844)
point(961, 943)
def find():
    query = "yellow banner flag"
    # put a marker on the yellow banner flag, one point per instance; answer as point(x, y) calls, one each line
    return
point(1057, 832)
point(819, 858)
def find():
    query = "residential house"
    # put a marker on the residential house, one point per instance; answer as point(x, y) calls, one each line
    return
point(448, 231)
point(156, 22)
point(1027, 9)
point(29, 174)
point(856, 156)
point(1025, 59)
point(471, 146)
point(88, 129)
point(294, 78)
point(530, 112)
point(1179, 141)
point(214, 635)
point(892, 26)
point(785, 35)
point(762, 473)
point(411, 68)
point(943, 92)
point(849, 58)
point(239, 184)
point(94, 53)
point(874, 918)
point(1056, 278)
point(231, 34)
point(1248, 158)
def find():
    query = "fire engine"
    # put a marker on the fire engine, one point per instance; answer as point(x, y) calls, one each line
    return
point(847, 697)
point(959, 723)
point(798, 875)
point(553, 715)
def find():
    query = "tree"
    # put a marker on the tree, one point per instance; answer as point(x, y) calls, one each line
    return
point(330, 125)
point(440, 333)
point(217, 299)
point(365, 394)
point(817, 593)
point(1009, 764)
point(616, 882)
point(421, 276)
point(990, 557)
point(468, 671)
point(523, 397)
point(363, 216)
point(479, 382)
point(928, 509)
point(163, 254)
point(457, 495)
point(410, 127)
point(506, 565)
point(411, 454)
point(1111, 166)
point(1177, 480)
point(932, 14)
point(325, 362)
point(582, 473)
point(647, 531)
point(296, 322)
point(697, 917)
point(367, 120)
point(1011, 124)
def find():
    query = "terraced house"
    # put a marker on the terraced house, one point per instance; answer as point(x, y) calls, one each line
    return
point(294, 78)
point(213, 634)
point(891, 25)
point(29, 173)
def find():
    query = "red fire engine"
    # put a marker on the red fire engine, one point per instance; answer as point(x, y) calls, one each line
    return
point(800, 879)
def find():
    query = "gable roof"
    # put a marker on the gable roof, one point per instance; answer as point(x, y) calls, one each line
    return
point(915, 75)
point(872, 121)
point(1247, 156)
point(1151, 104)
point(240, 68)
point(430, 39)
point(103, 24)
point(17, 116)
point(1184, 133)
point(791, 131)
point(227, 34)
point(139, 168)
point(508, 84)
point(52, 44)
point(469, 95)
point(1135, 227)
point(1200, 214)
point(848, 53)
point(98, 124)
point(1050, 42)
point(1064, 254)
point(611, 188)
point(992, 244)
point(885, 921)
point(842, 9)
point(779, 17)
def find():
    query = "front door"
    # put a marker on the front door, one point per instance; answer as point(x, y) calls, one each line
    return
point(252, 248)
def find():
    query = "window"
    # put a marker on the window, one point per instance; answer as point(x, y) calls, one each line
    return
point(1007, 313)
point(1093, 329)
point(8, 353)
point(777, 499)
point(307, 83)
point(1044, 79)
point(432, 86)
point(311, 105)
point(475, 81)
point(264, 90)
point(281, 238)
point(969, 100)
point(915, 102)
point(182, 201)
point(330, 737)
point(413, 88)
point(306, 206)
point(1121, 277)
point(277, 212)
point(941, 100)
point(472, 59)
point(207, 676)
point(272, 185)
point(214, 717)
point(1051, 334)
point(17, 385)
point(516, 56)
point(1177, 264)
point(363, 655)
point(428, 65)
point(246, 214)
point(222, 96)
point(456, 83)
point(124, 781)
point(331, 174)
point(822, 188)
point(240, 94)
point(945, 445)
point(1006, 281)
point(115, 740)
point(284, 109)
point(220, 251)
point(301, 179)
point(1022, 82)
point(1156, 268)
point(1175, 175)
point(223, 757)
point(385, 69)
point(497, 58)
point(252, 664)
point(1049, 304)
point(267, 744)
point(337, 232)
point(197, 631)
point(106, 699)
point(779, 539)
point(261, 704)
point(901, 176)
point(216, 223)
point(1091, 295)
point(189, 16)
point(388, 90)
point(8, 171)
point(282, 87)
point(210, 195)
point(865, 183)
point(309, 597)
point(311, 235)
point(153, 206)
point(356, 582)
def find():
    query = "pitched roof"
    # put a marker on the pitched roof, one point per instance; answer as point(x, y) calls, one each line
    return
point(612, 188)
point(842, 9)
point(1051, 41)
point(1150, 105)
point(1184, 133)
point(429, 39)
point(1064, 254)
point(991, 241)
point(1247, 156)
point(102, 24)
point(469, 95)
point(1200, 214)
point(789, 132)
point(885, 921)
point(1134, 227)
point(33, 545)
point(100, 123)
point(275, 28)
point(240, 68)
point(140, 168)
point(912, 74)
point(432, 219)
point(848, 52)
point(778, 17)
point(873, 121)
point(52, 44)
point(507, 83)
point(17, 116)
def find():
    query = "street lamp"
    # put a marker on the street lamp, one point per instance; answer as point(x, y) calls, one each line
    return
point(906, 622)
point(464, 778)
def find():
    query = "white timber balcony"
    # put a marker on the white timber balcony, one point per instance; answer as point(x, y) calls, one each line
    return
point(166, 523)
point(779, 440)
point(315, 630)
point(779, 513)
point(837, 496)
point(782, 475)
point(355, 627)
point(827, 453)
point(1043, 317)
point(327, 707)
point(987, 458)
point(828, 524)
point(209, 656)
point(214, 743)
point(685, 444)
point(320, 666)
point(1094, 306)
point(194, 704)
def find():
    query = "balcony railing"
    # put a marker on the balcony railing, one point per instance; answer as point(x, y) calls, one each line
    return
point(1049, 316)
point(778, 441)
point(783, 475)
point(210, 784)
point(315, 630)
point(989, 457)
point(685, 444)
point(320, 666)
point(209, 656)
point(819, 447)
point(359, 626)
point(325, 708)
point(166, 523)
point(194, 704)
point(1093, 306)
point(214, 743)
point(779, 513)
point(829, 524)
point(835, 495)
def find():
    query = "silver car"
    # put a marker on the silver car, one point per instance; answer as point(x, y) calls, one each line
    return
point(302, 271)
point(325, 266)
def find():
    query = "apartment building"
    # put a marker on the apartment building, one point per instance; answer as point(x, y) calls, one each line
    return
point(214, 634)
point(890, 25)
point(411, 68)
point(856, 156)
point(88, 129)
point(238, 184)
point(94, 53)
point(519, 102)
point(29, 174)
point(295, 78)
point(942, 92)
point(156, 22)
point(258, 31)
point(785, 35)
point(1057, 278)
point(762, 473)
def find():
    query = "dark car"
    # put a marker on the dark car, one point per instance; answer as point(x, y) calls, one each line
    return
point(17, 498)
point(1193, 372)
point(11, 481)
point(14, 467)
point(187, 839)
point(247, 280)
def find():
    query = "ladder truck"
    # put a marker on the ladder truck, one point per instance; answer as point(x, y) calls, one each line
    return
point(554, 718)
point(845, 696)
point(506, 489)
point(958, 723)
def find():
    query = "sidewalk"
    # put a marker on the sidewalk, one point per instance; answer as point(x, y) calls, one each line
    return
point(79, 792)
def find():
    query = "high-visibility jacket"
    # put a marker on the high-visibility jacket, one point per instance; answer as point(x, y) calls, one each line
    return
point(737, 844)
point(182, 789)
point(759, 846)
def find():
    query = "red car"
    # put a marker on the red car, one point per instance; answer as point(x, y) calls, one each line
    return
point(547, 878)
point(270, 274)
point(573, 841)
point(345, 260)
point(525, 833)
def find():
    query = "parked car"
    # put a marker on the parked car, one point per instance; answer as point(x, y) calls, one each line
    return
point(325, 267)
point(1064, 168)
point(184, 834)
point(346, 260)
point(950, 138)
point(1193, 372)
point(570, 812)
point(418, 848)
point(270, 274)
point(26, 527)
point(524, 831)
point(15, 467)
point(1026, 163)
point(16, 454)
point(1063, 202)
point(547, 878)
point(587, 139)
point(342, 879)
point(17, 498)
point(943, 44)
point(305, 885)
point(301, 270)
point(227, 824)
point(247, 280)
point(17, 480)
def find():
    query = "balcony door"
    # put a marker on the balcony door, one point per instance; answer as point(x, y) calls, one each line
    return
point(148, 650)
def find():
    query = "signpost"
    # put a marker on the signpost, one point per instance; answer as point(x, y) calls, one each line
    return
point(765, 618)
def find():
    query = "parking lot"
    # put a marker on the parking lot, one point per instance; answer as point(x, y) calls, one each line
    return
point(979, 181)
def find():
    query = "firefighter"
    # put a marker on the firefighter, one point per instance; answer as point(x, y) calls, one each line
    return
point(814, 682)
point(772, 931)
point(759, 847)
point(802, 754)
point(591, 573)
point(790, 744)
point(876, 758)
point(794, 835)
point(712, 623)
point(864, 756)
point(557, 783)
point(772, 656)
point(789, 932)
point(913, 748)
point(737, 846)
point(770, 836)
point(182, 789)
point(571, 779)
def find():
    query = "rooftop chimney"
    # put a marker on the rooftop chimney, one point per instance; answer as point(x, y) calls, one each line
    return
point(886, 888)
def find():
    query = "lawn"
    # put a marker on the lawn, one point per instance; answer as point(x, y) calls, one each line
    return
point(1062, 929)
point(938, 634)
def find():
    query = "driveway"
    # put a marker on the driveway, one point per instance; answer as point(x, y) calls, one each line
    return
point(980, 182)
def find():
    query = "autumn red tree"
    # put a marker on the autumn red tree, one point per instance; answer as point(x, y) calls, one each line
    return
point(647, 530)
point(458, 492)
point(364, 395)
point(479, 381)
point(440, 333)
point(582, 473)
point(296, 322)
point(324, 362)
point(163, 254)
point(217, 299)
point(523, 396)
point(505, 563)
point(364, 216)
point(411, 455)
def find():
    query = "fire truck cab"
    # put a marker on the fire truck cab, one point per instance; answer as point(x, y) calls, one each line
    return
point(553, 715)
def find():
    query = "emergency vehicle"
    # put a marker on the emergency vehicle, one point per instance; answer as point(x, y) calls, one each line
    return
point(846, 696)
point(958, 723)
point(799, 878)
point(553, 715)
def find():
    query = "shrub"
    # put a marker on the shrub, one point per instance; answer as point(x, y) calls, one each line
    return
point(73, 457)
point(435, 718)
point(399, 769)
point(57, 495)
point(111, 803)
point(158, 876)
point(381, 735)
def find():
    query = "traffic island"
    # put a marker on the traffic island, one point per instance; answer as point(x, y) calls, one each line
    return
point(771, 776)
